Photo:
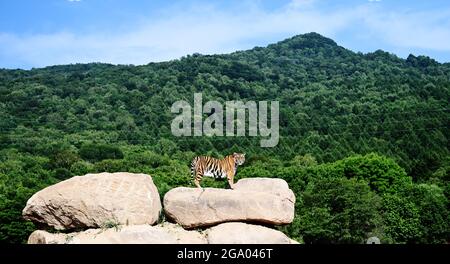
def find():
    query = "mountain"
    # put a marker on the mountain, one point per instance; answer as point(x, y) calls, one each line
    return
point(61, 121)
point(333, 101)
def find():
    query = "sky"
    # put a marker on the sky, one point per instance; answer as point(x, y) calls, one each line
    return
point(52, 32)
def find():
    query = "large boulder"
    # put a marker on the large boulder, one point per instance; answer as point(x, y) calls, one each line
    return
point(139, 234)
point(263, 200)
point(96, 200)
point(274, 186)
point(241, 233)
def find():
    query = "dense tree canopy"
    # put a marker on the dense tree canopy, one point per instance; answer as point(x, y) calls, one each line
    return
point(364, 137)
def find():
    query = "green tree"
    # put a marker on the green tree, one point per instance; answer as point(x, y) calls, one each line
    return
point(63, 159)
point(401, 219)
point(98, 152)
point(383, 174)
point(434, 215)
point(338, 210)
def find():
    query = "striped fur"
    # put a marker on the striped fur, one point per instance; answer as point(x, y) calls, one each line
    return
point(217, 168)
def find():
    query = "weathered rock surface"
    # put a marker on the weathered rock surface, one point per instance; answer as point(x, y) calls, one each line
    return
point(95, 200)
point(241, 233)
point(262, 200)
point(166, 233)
point(130, 204)
point(274, 186)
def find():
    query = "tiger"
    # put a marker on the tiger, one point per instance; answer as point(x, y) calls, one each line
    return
point(216, 168)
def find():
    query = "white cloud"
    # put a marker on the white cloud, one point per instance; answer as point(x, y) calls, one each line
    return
point(200, 29)
point(423, 30)
point(301, 3)
point(207, 30)
point(73, 0)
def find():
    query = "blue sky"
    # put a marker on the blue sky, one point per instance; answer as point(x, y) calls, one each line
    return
point(49, 32)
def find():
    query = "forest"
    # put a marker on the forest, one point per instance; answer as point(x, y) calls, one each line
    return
point(363, 137)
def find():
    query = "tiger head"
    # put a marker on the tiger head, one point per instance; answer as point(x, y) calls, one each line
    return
point(239, 158)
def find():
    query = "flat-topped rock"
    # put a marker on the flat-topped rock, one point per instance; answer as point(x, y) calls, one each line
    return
point(96, 200)
point(262, 200)
point(274, 186)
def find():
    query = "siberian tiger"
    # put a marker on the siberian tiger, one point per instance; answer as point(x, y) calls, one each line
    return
point(217, 168)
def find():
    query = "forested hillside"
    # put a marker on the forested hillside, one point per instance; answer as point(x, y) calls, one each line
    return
point(364, 137)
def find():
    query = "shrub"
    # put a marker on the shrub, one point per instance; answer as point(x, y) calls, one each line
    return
point(81, 168)
point(110, 166)
point(62, 173)
point(63, 159)
point(98, 152)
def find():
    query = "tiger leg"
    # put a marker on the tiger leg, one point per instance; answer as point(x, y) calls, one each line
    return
point(198, 178)
point(196, 172)
point(230, 178)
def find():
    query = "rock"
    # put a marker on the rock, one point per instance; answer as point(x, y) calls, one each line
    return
point(275, 186)
point(96, 200)
point(138, 234)
point(241, 233)
point(261, 200)
point(166, 233)
point(184, 236)
point(43, 237)
point(373, 240)
point(129, 203)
